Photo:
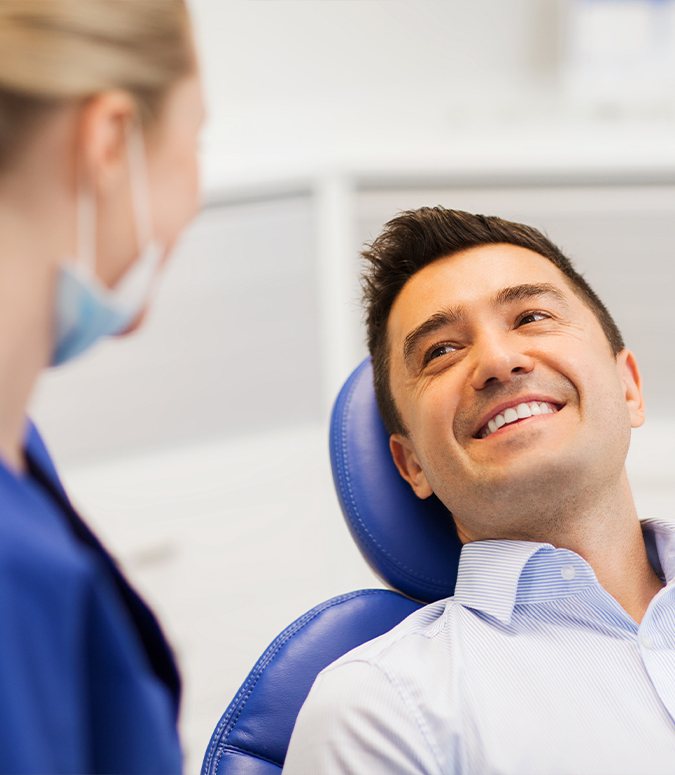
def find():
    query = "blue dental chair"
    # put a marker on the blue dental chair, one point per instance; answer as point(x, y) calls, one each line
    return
point(410, 544)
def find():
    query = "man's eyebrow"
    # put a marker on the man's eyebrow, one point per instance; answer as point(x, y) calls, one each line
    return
point(527, 291)
point(441, 319)
point(453, 315)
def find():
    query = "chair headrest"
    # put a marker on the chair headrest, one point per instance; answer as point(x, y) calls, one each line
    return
point(411, 544)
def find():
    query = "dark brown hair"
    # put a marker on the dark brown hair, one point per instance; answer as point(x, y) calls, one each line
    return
point(416, 238)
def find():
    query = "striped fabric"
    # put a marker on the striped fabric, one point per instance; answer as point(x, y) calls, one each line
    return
point(530, 669)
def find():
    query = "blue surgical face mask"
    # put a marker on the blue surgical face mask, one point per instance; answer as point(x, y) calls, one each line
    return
point(85, 310)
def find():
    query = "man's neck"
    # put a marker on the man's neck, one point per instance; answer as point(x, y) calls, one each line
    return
point(622, 568)
point(607, 534)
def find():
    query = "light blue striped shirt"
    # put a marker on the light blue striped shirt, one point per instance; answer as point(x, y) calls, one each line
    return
point(532, 668)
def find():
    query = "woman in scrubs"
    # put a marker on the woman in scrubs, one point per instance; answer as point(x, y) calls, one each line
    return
point(100, 108)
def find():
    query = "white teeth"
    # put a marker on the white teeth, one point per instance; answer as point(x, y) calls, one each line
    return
point(514, 413)
point(510, 415)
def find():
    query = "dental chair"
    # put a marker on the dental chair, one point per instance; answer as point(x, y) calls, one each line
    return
point(409, 543)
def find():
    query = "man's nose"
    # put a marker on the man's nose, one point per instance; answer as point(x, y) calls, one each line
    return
point(497, 360)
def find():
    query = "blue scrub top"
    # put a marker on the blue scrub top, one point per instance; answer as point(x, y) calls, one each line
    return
point(88, 683)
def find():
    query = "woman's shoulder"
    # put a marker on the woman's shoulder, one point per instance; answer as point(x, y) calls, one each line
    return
point(43, 564)
point(40, 560)
point(35, 535)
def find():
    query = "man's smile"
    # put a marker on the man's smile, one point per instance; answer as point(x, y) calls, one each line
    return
point(514, 412)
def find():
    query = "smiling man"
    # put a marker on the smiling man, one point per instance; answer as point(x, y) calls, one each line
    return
point(509, 393)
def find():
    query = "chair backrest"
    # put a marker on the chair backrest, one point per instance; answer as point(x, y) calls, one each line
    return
point(411, 544)
point(252, 735)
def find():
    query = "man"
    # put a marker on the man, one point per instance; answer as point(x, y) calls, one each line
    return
point(509, 393)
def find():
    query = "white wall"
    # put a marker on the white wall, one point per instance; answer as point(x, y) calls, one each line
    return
point(291, 74)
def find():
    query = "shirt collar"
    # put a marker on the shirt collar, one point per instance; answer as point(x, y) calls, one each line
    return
point(489, 572)
point(659, 535)
point(494, 576)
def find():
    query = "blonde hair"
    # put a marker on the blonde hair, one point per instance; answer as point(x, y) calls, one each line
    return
point(57, 51)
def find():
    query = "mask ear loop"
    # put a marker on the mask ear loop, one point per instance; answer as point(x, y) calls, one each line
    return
point(140, 191)
point(86, 226)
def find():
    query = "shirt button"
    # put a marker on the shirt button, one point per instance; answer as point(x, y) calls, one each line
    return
point(646, 641)
point(568, 572)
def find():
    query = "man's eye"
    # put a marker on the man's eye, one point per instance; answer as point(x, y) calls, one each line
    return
point(438, 350)
point(532, 317)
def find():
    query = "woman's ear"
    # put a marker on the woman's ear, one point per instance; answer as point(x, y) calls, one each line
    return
point(632, 382)
point(102, 137)
point(407, 463)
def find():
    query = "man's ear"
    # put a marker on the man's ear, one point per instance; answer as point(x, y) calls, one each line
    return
point(408, 465)
point(632, 382)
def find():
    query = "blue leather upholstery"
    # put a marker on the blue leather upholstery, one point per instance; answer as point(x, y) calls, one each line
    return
point(411, 544)
point(253, 734)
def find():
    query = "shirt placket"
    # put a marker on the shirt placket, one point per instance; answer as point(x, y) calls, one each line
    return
point(656, 642)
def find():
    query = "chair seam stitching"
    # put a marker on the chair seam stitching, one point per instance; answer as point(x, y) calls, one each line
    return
point(226, 725)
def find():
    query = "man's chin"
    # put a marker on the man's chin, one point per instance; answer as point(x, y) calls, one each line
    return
point(526, 478)
point(521, 452)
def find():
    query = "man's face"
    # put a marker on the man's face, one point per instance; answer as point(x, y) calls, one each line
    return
point(514, 403)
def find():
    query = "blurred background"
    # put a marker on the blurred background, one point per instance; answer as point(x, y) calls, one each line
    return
point(198, 447)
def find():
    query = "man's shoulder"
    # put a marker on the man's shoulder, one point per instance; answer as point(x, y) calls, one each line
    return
point(396, 651)
point(390, 694)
